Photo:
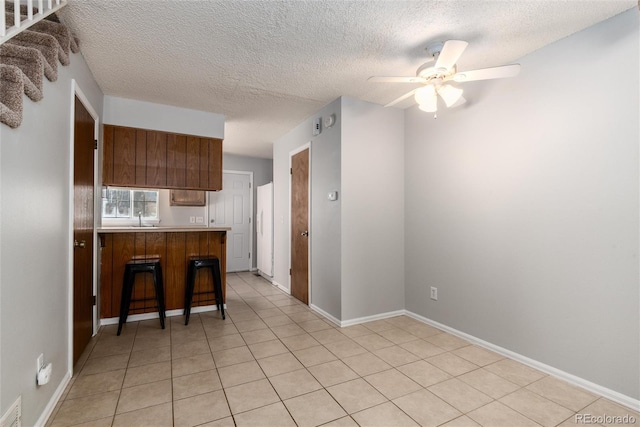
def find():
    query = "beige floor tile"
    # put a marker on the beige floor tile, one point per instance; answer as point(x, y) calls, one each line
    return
point(144, 396)
point(477, 355)
point(489, 383)
point(279, 364)
point(110, 346)
point(329, 335)
point(422, 348)
point(341, 422)
point(378, 325)
point(602, 407)
point(355, 331)
point(246, 397)
point(200, 409)
point(515, 372)
point(87, 385)
point(314, 355)
point(102, 422)
point(154, 416)
point(250, 325)
point(447, 341)
point(260, 335)
point(422, 331)
point(332, 373)
point(366, 364)
point(452, 364)
point(83, 409)
point(356, 395)
point(426, 408)
point(562, 393)
point(147, 357)
point(194, 384)
point(462, 421)
point(232, 356)
point(271, 415)
point(269, 312)
point(303, 316)
point(384, 415)
point(424, 373)
point(313, 325)
point(392, 383)
point(397, 335)
point(224, 422)
point(215, 330)
point(298, 342)
point(460, 395)
point(536, 407)
point(242, 316)
point(345, 348)
point(373, 342)
point(314, 408)
point(279, 320)
point(288, 330)
point(267, 348)
point(291, 306)
point(190, 365)
point(294, 383)
point(147, 374)
point(240, 373)
point(496, 414)
point(396, 355)
point(226, 342)
point(190, 348)
point(145, 342)
point(105, 364)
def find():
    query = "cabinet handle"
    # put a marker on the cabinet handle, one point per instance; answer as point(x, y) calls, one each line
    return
point(79, 244)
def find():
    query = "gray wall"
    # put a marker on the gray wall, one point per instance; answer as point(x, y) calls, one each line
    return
point(325, 215)
point(262, 174)
point(372, 209)
point(34, 227)
point(522, 208)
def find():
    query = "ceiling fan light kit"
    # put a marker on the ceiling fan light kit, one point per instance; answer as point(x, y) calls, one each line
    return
point(435, 77)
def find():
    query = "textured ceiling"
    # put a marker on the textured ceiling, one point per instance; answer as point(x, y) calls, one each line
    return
point(269, 65)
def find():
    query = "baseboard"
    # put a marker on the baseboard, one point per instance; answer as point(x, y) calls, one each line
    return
point(325, 314)
point(282, 288)
point(380, 316)
point(154, 315)
point(594, 388)
point(48, 410)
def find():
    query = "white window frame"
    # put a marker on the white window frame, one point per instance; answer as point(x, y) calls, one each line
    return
point(133, 219)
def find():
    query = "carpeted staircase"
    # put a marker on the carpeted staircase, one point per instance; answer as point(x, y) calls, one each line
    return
point(27, 59)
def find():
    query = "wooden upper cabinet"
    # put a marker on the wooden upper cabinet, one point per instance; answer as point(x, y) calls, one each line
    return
point(154, 159)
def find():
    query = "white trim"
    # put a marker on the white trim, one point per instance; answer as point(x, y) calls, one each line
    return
point(291, 154)
point(282, 288)
point(57, 395)
point(154, 315)
point(365, 319)
point(615, 396)
point(325, 314)
point(77, 91)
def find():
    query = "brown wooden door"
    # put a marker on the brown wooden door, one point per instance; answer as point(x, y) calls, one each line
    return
point(82, 229)
point(300, 226)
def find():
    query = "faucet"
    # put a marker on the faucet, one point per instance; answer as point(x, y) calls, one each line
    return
point(139, 219)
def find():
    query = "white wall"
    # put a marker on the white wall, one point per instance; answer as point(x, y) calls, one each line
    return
point(325, 215)
point(372, 239)
point(35, 248)
point(523, 208)
point(147, 115)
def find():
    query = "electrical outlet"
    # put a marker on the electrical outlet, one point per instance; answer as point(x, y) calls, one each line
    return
point(199, 220)
point(434, 293)
point(39, 363)
point(192, 219)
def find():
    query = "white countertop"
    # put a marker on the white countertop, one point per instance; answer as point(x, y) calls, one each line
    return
point(159, 229)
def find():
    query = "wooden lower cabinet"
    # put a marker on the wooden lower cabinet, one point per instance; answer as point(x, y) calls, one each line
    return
point(174, 250)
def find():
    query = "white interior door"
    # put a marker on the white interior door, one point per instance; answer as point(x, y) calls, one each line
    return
point(264, 226)
point(230, 207)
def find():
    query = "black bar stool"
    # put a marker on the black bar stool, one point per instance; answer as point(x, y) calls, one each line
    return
point(196, 263)
point(133, 267)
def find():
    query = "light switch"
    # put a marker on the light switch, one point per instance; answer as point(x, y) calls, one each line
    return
point(332, 196)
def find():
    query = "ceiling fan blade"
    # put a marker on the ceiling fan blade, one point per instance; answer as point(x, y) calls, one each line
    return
point(459, 102)
point(391, 79)
point(487, 73)
point(450, 53)
point(402, 98)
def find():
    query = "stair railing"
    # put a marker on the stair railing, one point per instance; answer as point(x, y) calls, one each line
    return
point(45, 8)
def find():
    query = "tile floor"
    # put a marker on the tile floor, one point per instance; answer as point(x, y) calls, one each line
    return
point(274, 362)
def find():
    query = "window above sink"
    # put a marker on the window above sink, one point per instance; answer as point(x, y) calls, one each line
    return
point(130, 206)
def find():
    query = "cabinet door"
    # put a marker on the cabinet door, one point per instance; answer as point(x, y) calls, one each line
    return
point(193, 162)
point(176, 160)
point(156, 159)
point(215, 164)
point(120, 149)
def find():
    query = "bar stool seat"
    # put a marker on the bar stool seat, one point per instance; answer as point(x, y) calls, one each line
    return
point(139, 266)
point(196, 263)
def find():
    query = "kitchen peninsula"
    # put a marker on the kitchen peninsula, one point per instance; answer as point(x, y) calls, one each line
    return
point(174, 245)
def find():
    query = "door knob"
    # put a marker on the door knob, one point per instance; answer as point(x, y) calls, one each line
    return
point(79, 244)
point(305, 233)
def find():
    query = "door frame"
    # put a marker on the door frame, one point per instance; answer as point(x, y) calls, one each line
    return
point(291, 154)
point(77, 91)
point(251, 221)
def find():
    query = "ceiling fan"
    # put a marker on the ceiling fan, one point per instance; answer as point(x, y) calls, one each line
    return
point(441, 78)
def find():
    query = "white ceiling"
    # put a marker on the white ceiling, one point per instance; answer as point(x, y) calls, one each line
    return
point(269, 65)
